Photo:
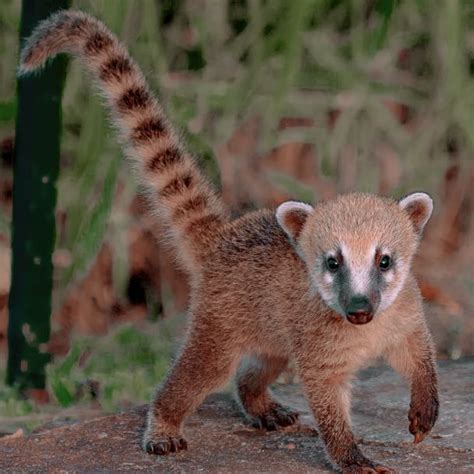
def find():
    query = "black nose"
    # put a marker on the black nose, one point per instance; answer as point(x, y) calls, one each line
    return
point(359, 310)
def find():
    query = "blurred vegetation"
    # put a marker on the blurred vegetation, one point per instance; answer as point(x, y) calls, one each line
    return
point(218, 64)
point(119, 370)
point(106, 373)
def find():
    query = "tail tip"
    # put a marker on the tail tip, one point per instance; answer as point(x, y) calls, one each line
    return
point(24, 69)
point(41, 44)
point(29, 62)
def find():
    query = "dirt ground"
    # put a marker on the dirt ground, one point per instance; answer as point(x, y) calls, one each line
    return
point(220, 440)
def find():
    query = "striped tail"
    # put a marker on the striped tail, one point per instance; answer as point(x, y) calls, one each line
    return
point(186, 205)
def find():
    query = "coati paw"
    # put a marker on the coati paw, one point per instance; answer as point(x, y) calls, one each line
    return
point(164, 446)
point(276, 417)
point(369, 469)
point(423, 415)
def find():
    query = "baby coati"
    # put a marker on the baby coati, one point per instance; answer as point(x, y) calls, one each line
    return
point(328, 285)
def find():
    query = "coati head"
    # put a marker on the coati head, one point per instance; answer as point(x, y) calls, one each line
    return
point(358, 247)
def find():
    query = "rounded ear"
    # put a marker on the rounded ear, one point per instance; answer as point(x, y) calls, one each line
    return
point(291, 216)
point(419, 207)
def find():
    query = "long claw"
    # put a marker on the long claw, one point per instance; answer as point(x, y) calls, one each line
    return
point(164, 446)
point(419, 437)
point(276, 417)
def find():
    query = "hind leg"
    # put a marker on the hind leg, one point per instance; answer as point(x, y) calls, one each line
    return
point(206, 363)
point(255, 374)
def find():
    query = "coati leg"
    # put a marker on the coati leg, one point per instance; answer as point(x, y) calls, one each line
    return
point(415, 361)
point(205, 363)
point(329, 398)
point(254, 376)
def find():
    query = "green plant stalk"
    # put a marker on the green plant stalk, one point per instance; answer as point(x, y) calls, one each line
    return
point(36, 170)
point(377, 38)
point(292, 28)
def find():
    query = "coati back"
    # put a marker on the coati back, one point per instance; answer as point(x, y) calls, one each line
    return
point(329, 286)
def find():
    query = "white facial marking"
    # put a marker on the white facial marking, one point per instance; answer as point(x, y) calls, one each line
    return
point(359, 270)
point(389, 295)
point(325, 289)
point(328, 278)
point(389, 276)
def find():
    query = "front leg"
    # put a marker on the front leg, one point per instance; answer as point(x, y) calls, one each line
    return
point(329, 398)
point(254, 376)
point(415, 360)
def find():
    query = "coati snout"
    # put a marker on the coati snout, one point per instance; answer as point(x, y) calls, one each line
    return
point(359, 310)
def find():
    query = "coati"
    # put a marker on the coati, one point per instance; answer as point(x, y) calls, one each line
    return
point(328, 285)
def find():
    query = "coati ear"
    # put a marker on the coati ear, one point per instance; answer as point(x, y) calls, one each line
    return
point(419, 207)
point(291, 216)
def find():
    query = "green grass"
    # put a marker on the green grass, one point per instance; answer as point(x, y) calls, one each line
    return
point(124, 368)
point(125, 364)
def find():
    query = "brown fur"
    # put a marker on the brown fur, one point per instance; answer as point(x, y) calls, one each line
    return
point(252, 293)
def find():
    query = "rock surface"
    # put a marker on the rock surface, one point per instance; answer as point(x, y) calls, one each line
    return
point(220, 441)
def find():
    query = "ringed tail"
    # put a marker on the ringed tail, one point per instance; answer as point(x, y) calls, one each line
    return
point(174, 186)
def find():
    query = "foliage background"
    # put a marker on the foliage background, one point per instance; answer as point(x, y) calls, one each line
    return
point(299, 99)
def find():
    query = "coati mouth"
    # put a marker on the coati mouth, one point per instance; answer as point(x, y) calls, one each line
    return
point(360, 317)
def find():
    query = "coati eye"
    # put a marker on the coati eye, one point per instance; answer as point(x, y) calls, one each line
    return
point(385, 262)
point(332, 264)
